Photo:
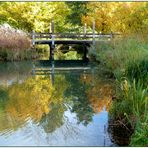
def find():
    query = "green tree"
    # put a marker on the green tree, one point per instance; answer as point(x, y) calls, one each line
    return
point(34, 15)
point(77, 10)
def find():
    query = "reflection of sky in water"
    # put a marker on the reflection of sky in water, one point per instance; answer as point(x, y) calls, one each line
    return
point(69, 134)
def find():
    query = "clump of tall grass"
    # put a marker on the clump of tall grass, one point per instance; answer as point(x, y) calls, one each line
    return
point(132, 105)
point(138, 70)
point(118, 54)
point(14, 45)
point(132, 101)
point(127, 59)
point(140, 137)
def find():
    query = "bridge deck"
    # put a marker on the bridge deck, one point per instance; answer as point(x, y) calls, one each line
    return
point(64, 41)
point(87, 42)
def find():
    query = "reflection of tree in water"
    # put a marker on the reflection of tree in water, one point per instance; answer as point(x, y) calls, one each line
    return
point(100, 93)
point(80, 103)
point(54, 118)
point(4, 120)
point(9, 73)
point(31, 99)
point(37, 99)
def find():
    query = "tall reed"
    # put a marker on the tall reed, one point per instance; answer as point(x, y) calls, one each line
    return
point(14, 45)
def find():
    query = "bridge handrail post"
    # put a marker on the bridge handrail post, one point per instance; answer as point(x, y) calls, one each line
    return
point(94, 33)
point(100, 34)
point(52, 35)
point(52, 43)
point(33, 37)
point(111, 35)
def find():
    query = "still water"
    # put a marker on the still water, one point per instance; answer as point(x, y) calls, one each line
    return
point(67, 108)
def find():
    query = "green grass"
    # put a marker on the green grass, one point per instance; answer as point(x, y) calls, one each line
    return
point(127, 59)
point(132, 101)
point(140, 137)
point(118, 54)
point(138, 70)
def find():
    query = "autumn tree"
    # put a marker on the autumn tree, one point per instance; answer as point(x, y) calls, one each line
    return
point(34, 15)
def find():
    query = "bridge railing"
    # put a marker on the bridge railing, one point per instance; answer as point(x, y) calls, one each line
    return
point(72, 35)
point(79, 36)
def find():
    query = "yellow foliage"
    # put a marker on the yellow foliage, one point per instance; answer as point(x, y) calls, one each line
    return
point(31, 98)
point(99, 94)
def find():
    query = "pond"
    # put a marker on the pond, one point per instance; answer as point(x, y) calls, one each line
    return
point(65, 107)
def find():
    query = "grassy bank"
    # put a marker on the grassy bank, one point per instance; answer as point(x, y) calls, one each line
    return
point(14, 45)
point(127, 59)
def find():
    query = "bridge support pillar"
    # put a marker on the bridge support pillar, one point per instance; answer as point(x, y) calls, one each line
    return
point(85, 52)
point(51, 56)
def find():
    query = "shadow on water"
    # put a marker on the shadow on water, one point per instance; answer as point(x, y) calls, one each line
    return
point(65, 107)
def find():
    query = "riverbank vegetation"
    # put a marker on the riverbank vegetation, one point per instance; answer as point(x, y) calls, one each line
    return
point(127, 59)
point(14, 45)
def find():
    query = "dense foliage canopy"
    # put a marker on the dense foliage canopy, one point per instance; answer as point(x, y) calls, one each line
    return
point(127, 17)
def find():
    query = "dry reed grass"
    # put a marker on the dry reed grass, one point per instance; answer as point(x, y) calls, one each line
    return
point(13, 44)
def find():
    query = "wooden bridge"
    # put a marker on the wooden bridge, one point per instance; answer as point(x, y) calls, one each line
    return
point(85, 39)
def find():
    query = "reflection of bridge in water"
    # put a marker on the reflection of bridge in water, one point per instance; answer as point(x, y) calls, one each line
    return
point(62, 66)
